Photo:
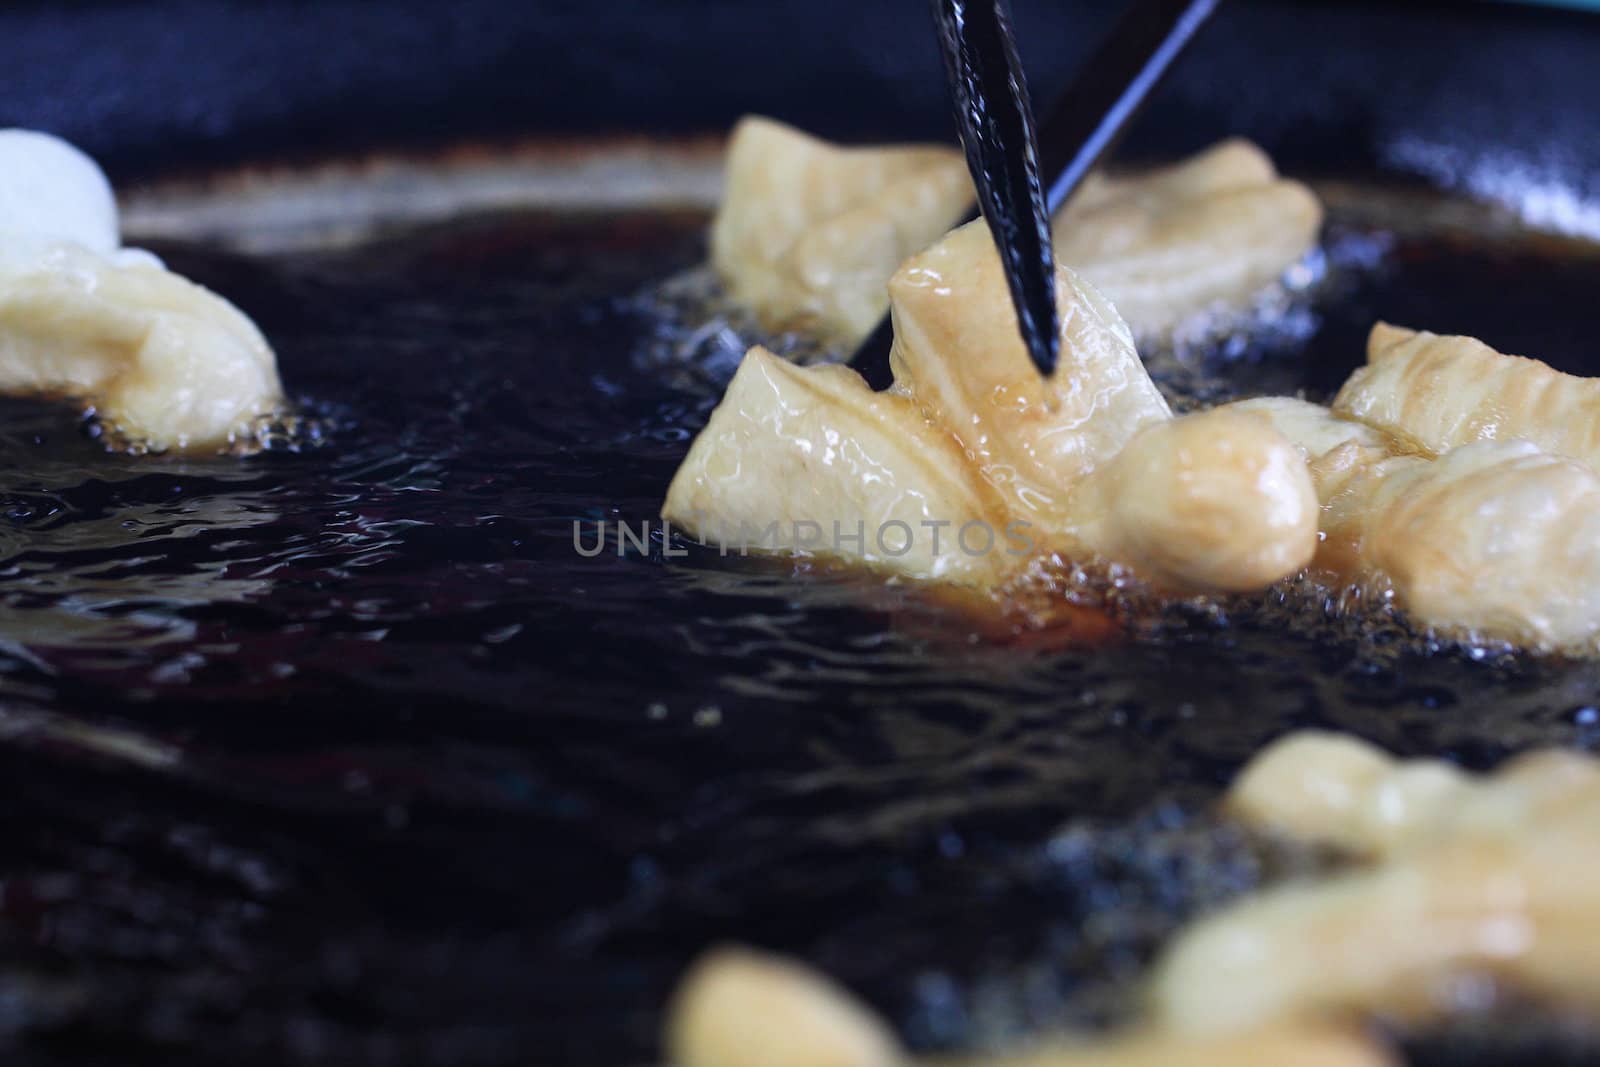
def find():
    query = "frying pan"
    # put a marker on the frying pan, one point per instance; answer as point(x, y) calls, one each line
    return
point(342, 754)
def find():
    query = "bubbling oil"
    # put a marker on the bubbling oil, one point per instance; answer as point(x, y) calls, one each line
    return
point(292, 428)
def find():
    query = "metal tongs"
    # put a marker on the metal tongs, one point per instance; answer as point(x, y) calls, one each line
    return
point(1007, 156)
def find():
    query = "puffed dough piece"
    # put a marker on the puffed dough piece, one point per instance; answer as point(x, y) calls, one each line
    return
point(738, 1008)
point(809, 232)
point(970, 433)
point(1497, 539)
point(1214, 229)
point(1391, 940)
point(1215, 501)
point(1206, 503)
point(1335, 790)
point(1331, 789)
point(1489, 877)
point(1442, 392)
point(801, 445)
point(958, 352)
point(163, 361)
point(50, 191)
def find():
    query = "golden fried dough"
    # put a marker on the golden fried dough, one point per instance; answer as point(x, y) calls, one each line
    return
point(163, 362)
point(809, 232)
point(1443, 392)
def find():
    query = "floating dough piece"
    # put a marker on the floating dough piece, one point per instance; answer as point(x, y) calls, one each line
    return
point(737, 1008)
point(1496, 538)
point(970, 434)
point(1297, 1045)
point(812, 448)
point(1443, 392)
point(957, 351)
point(1391, 941)
point(809, 232)
point(50, 191)
point(1214, 229)
point(163, 362)
point(1479, 877)
point(1330, 789)
point(1198, 504)
point(1212, 501)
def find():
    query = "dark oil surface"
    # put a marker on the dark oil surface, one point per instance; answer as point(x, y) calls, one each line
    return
point(346, 756)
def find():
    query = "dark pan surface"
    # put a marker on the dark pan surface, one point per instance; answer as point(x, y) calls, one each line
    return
point(344, 755)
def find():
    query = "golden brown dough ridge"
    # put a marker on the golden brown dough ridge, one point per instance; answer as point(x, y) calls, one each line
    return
point(1442, 392)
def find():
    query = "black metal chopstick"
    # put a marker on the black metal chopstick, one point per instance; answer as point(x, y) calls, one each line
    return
point(1087, 119)
point(995, 118)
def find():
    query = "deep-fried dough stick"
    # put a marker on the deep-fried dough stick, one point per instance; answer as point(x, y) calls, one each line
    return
point(738, 1008)
point(1496, 539)
point(1442, 392)
point(1087, 462)
point(1477, 877)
